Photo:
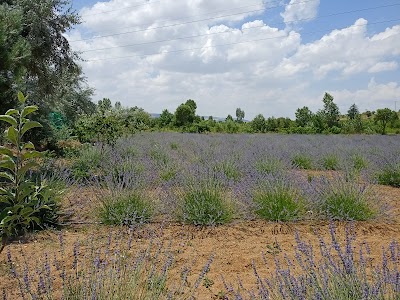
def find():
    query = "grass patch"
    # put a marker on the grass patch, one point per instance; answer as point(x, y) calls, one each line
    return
point(330, 162)
point(302, 161)
point(346, 201)
point(205, 206)
point(279, 201)
point(390, 175)
point(269, 166)
point(126, 208)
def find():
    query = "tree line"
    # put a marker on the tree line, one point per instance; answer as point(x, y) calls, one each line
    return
point(36, 58)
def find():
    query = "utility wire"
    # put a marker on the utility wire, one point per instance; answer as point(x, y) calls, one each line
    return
point(229, 44)
point(187, 17)
point(232, 30)
point(123, 8)
point(185, 23)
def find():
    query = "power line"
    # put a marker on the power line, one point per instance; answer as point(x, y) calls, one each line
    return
point(185, 23)
point(123, 8)
point(229, 44)
point(232, 30)
point(205, 14)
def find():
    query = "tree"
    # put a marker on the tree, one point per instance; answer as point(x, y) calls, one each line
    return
point(353, 112)
point(42, 62)
point(258, 123)
point(239, 115)
point(184, 115)
point(192, 104)
point(303, 116)
point(165, 118)
point(330, 113)
point(104, 105)
point(229, 118)
point(383, 117)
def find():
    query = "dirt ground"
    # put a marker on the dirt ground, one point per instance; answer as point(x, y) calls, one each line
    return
point(234, 247)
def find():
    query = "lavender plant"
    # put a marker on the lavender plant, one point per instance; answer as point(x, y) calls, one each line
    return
point(277, 199)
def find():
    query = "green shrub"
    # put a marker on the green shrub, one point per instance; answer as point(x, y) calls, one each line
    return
point(205, 206)
point(24, 205)
point(390, 175)
point(279, 201)
point(346, 201)
point(126, 208)
point(302, 161)
point(330, 162)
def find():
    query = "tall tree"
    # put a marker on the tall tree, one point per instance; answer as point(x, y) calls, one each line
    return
point(330, 113)
point(383, 117)
point(239, 115)
point(303, 116)
point(353, 112)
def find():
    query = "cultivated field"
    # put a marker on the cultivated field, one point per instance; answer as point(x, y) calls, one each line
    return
point(181, 216)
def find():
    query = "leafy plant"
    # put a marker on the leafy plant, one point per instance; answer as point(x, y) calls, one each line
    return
point(205, 206)
point(126, 208)
point(359, 162)
point(23, 204)
point(302, 161)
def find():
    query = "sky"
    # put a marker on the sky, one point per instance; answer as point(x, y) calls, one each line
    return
point(265, 56)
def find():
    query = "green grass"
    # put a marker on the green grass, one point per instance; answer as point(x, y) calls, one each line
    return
point(127, 208)
point(206, 206)
point(346, 201)
point(269, 165)
point(390, 175)
point(302, 161)
point(330, 162)
point(279, 201)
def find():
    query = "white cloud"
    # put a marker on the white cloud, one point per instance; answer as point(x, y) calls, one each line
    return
point(298, 10)
point(262, 69)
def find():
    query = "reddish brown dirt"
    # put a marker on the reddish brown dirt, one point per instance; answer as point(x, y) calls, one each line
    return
point(234, 246)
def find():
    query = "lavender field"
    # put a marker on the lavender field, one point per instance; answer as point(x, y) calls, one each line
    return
point(276, 177)
point(188, 216)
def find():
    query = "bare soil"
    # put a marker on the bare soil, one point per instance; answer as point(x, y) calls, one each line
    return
point(234, 247)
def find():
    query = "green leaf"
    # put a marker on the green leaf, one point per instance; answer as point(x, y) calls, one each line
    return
point(29, 125)
point(11, 112)
point(9, 119)
point(6, 151)
point(28, 109)
point(12, 135)
point(7, 163)
point(26, 168)
point(26, 211)
point(36, 220)
point(32, 154)
point(21, 97)
point(6, 176)
point(29, 145)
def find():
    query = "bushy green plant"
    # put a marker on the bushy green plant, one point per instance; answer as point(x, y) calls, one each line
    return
point(205, 205)
point(330, 162)
point(277, 200)
point(126, 208)
point(346, 201)
point(23, 204)
point(229, 169)
point(389, 175)
point(302, 161)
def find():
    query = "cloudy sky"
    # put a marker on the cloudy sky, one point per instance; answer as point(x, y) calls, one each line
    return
point(264, 56)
